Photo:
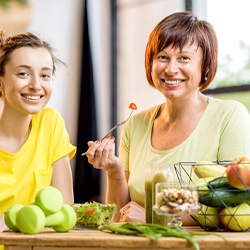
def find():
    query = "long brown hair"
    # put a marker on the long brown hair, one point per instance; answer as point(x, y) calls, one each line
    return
point(11, 43)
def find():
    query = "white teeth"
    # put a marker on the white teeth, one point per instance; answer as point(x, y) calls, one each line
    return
point(32, 97)
point(173, 82)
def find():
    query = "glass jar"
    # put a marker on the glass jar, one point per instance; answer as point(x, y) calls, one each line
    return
point(164, 174)
point(149, 192)
point(156, 173)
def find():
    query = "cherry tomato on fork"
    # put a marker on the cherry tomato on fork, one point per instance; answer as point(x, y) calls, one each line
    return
point(132, 106)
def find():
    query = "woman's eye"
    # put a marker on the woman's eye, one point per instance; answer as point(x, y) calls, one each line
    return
point(23, 74)
point(162, 58)
point(184, 58)
point(46, 76)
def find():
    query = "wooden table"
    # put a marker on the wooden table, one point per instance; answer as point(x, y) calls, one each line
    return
point(94, 239)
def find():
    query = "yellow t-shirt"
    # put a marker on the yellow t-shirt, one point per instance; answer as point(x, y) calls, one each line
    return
point(222, 133)
point(24, 173)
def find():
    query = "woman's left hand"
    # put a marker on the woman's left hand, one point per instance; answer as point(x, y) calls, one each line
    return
point(132, 212)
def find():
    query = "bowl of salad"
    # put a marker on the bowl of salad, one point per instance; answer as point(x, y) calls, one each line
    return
point(93, 214)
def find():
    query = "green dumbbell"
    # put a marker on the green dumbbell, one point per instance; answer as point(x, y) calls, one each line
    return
point(47, 210)
point(30, 219)
point(10, 217)
point(63, 220)
point(49, 199)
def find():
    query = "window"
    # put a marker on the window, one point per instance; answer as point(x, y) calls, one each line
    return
point(230, 20)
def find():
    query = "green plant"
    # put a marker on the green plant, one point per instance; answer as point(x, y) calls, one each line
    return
point(226, 76)
point(154, 231)
point(6, 3)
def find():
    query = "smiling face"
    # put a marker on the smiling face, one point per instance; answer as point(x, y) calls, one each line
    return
point(178, 30)
point(26, 83)
point(177, 73)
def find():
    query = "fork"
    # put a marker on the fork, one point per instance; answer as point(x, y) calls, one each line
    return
point(112, 129)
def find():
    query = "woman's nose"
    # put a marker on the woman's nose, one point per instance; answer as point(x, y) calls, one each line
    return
point(171, 67)
point(34, 84)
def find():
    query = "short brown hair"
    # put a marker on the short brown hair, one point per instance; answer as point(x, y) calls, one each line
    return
point(177, 30)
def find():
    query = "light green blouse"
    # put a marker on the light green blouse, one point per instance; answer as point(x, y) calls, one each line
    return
point(222, 133)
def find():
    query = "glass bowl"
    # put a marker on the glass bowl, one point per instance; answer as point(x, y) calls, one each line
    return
point(175, 199)
point(91, 215)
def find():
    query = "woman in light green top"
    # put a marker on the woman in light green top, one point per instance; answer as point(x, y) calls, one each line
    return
point(181, 62)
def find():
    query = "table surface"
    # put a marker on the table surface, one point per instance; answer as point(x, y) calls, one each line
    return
point(93, 239)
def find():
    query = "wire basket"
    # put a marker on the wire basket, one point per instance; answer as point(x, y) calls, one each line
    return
point(224, 207)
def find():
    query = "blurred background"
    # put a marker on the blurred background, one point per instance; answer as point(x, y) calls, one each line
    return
point(102, 43)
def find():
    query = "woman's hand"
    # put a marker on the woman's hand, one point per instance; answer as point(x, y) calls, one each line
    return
point(101, 154)
point(132, 212)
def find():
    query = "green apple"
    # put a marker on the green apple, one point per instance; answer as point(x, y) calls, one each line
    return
point(236, 218)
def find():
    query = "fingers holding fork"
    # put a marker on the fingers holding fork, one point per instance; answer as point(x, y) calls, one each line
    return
point(131, 106)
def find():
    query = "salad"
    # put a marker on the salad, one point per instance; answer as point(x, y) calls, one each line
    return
point(93, 214)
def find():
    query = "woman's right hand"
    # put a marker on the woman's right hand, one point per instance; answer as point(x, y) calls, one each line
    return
point(101, 154)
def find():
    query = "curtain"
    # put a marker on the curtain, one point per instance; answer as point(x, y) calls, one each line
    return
point(87, 179)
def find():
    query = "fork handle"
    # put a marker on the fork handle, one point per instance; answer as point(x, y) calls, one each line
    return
point(117, 125)
point(109, 132)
